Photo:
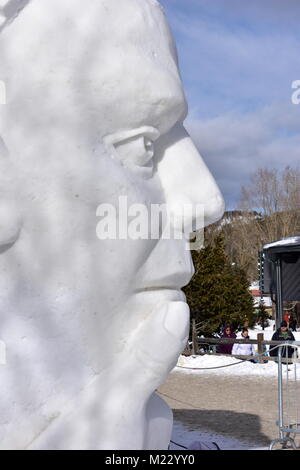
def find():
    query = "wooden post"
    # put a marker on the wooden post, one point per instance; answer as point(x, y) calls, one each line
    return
point(194, 338)
point(260, 350)
point(187, 350)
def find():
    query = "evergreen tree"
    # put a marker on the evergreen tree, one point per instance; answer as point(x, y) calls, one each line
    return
point(262, 314)
point(219, 292)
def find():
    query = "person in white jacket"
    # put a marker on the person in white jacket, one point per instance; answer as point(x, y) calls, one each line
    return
point(244, 349)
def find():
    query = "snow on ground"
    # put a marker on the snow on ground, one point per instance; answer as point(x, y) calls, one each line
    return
point(212, 365)
point(224, 365)
point(184, 437)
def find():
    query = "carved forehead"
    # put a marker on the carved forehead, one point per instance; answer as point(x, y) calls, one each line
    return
point(101, 18)
point(10, 9)
point(99, 54)
point(68, 33)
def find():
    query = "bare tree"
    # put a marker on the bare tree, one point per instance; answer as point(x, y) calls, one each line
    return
point(274, 198)
point(269, 209)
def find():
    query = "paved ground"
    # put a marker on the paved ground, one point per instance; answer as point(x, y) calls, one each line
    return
point(243, 408)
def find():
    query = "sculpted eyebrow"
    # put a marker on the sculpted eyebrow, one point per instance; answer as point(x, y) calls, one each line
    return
point(118, 137)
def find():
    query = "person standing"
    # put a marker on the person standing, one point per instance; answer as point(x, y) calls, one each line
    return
point(228, 333)
point(283, 334)
point(244, 349)
point(286, 318)
point(293, 323)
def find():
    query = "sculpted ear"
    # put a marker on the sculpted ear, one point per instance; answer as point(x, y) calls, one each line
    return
point(10, 214)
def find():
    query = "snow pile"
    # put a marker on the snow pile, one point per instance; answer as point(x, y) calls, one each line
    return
point(212, 365)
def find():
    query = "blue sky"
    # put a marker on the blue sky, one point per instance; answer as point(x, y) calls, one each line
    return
point(238, 61)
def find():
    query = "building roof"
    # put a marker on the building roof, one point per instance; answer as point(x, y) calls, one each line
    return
point(290, 242)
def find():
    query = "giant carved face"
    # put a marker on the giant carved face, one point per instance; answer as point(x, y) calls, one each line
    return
point(94, 112)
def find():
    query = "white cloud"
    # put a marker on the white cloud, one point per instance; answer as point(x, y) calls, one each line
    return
point(235, 145)
point(238, 61)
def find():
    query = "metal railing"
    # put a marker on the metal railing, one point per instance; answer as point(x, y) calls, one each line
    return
point(288, 381)
point(288, 399)
point(260, 342)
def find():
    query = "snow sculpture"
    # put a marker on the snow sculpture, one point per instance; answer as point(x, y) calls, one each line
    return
point(91, 327)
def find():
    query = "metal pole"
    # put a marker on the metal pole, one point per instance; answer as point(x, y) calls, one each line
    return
point(279, 303)
point(280, 393)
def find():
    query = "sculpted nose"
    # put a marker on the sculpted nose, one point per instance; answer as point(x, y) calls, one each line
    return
point(187, 182)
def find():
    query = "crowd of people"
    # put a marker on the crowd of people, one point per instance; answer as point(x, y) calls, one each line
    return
point(239, 349)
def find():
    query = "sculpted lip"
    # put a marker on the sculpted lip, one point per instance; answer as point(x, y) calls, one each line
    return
point(175, 281)
point(172, 287)
point(168, 294)
point(176, 321)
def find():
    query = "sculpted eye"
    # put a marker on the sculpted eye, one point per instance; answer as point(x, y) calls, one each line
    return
point(149, 146)
point(134, 149)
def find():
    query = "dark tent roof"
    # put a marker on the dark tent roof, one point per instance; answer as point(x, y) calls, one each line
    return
point(285, 245)
point(287, 252)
